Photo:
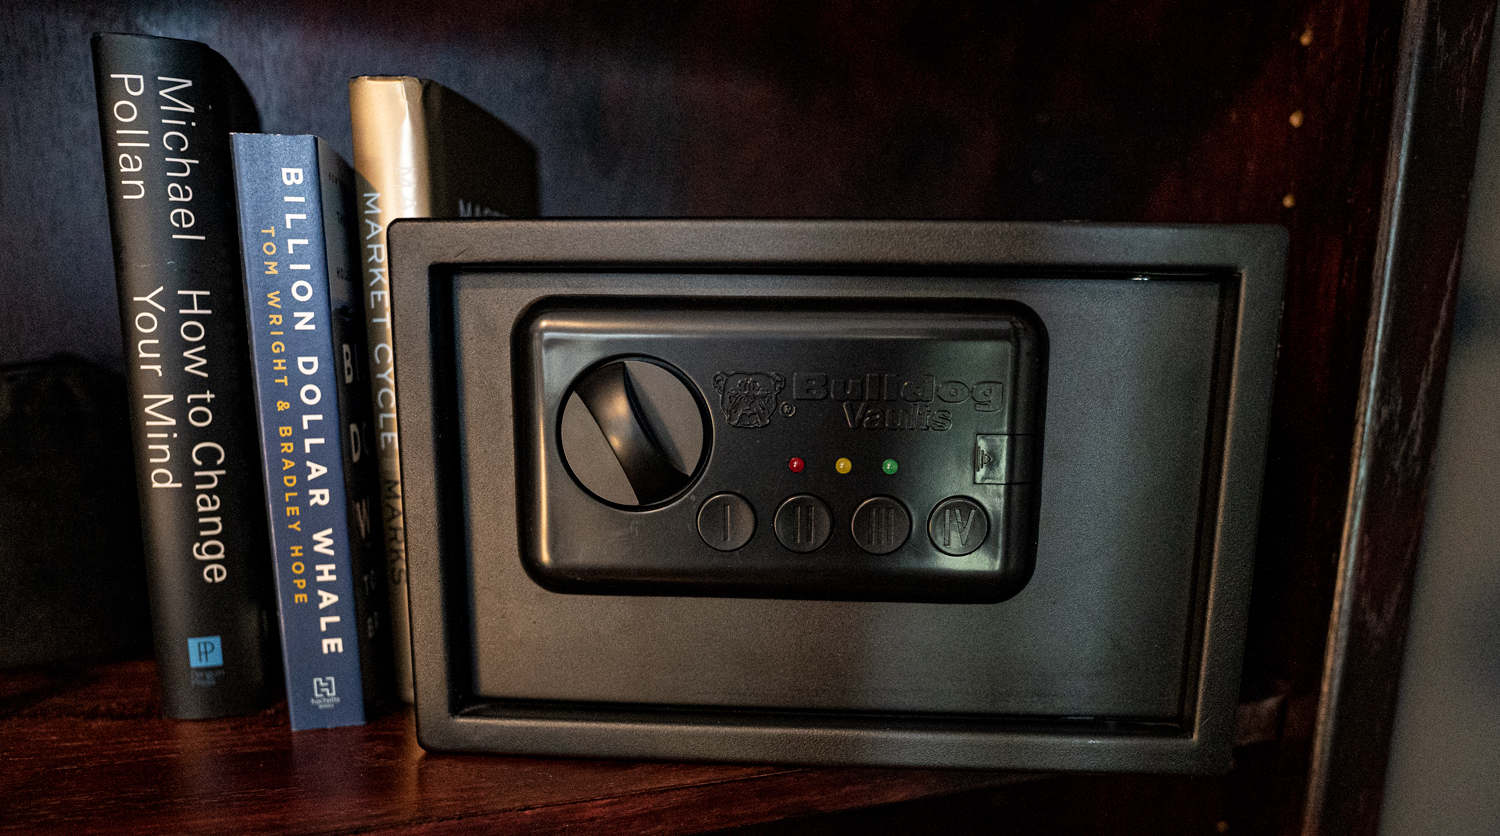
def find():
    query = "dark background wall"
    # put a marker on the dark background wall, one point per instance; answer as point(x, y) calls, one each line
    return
point(845, 109)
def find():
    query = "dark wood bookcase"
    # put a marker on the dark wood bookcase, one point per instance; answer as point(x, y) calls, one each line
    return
point(1351, 123)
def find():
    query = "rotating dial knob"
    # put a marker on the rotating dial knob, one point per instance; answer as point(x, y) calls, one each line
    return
point(634, 432)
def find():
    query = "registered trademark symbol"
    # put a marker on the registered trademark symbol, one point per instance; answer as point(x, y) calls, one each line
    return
point(788, 410)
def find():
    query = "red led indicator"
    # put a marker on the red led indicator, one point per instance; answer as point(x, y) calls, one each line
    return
point(796, 465)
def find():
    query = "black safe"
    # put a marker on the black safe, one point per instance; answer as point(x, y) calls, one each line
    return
point(902, 493)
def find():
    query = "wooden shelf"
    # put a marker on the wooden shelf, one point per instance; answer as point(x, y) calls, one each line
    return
point(87, 751)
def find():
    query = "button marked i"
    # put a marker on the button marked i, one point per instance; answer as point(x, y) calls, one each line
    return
point(726, 522)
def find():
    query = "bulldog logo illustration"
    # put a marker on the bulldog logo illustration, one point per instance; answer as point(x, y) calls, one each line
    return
point(748, 398)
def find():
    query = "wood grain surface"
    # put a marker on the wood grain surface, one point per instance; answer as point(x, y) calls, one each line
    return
point(1424, 208)
point(85, 750)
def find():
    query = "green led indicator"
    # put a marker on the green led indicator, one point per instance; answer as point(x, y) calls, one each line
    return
point(889, 466)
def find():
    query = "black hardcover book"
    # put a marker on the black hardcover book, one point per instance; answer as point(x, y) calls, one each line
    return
point(166, 109)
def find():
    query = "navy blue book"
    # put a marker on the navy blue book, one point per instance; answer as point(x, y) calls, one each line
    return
point(306, 323)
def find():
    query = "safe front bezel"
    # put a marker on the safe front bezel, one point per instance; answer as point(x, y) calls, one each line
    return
point(427, 255)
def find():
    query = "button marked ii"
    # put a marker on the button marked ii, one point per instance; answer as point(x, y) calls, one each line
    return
point(880, 525)
point(958, 526)
point(803, 523)
point(726, 521)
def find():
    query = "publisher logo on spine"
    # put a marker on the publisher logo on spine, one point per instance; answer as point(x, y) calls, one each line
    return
point(325, 692)
point(205, 652)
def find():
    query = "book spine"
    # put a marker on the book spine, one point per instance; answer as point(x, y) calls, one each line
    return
point(372, 595)
point(166, 108)
point(305, 332)
point(393, 181)
point(420, 151)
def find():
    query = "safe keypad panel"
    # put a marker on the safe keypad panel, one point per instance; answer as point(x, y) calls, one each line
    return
point(886, 452)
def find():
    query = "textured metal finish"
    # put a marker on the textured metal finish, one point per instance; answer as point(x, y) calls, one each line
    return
point(1122, 652)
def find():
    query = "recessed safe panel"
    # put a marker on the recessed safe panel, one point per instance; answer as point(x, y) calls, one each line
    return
point(897, 493)
point(796, 450)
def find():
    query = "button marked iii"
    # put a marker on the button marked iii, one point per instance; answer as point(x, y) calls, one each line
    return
point(880, 525)
point(726, 522)
point(803, 523)
point(958, 526)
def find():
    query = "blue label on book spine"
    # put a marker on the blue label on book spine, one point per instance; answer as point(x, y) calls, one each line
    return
point(205, 652)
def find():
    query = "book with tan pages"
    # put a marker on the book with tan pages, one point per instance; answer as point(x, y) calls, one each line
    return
point(420, 151)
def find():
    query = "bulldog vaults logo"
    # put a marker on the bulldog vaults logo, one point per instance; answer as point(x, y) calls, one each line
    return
point(875, 401)
point(748, 398)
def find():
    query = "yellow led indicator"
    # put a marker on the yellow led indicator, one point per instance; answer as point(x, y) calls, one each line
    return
point(843, 465)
